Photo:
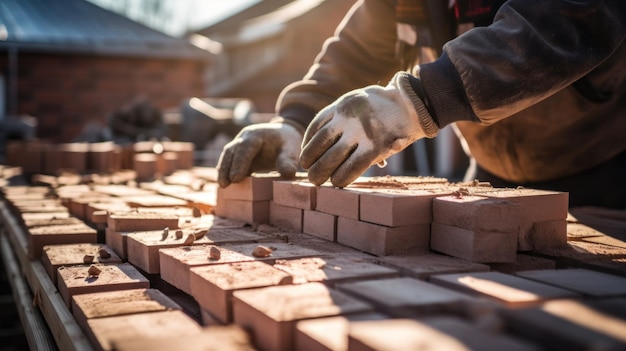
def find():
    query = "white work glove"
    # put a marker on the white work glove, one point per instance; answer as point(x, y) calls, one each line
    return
point(260, 147)
point(362, 128)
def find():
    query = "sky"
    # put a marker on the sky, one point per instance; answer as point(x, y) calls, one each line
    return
point(180, 15)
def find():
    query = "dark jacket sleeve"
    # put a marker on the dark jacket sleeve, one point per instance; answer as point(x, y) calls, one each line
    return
point(532, 50)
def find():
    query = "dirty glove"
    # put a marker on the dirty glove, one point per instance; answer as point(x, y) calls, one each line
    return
point(364, 127)
point(260, 147)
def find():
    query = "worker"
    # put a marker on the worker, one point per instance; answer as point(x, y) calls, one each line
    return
point(536, 90)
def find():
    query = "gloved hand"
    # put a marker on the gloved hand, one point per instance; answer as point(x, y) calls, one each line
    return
point(260, 147)
point(364, 127)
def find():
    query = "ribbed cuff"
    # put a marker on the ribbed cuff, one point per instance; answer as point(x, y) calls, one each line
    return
point(426, 121)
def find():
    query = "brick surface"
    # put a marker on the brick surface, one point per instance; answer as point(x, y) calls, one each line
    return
point(271, 313)
point(380, 240)
point(257, 187)
point(298, 194)
point(55, 256)
point(474, 245)
point(76, 280)
point(287, 218)
point(567, 325)
point(58, 234)
point(397, 208)
point(333, 270)
point(103, 332)
point(213, 286)
point(584, 281)
point(406, 297)
point(547, 234)
point(243, 210)
point(477, 213)
point(215, 338)
point(524, 262)
point(511, 290)
point(143, 247)
point(320, 224)
point(141, 221)
point(434, 333)
point(341, 202)
point(424, 265)
point(328, 334)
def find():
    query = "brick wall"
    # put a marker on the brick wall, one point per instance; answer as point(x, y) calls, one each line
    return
point(65, 91)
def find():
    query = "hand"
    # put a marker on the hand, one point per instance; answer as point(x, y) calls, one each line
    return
point(260, 147)
point(364, 127)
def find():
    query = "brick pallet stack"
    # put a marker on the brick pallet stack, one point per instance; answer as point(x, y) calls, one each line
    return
point(289, 286)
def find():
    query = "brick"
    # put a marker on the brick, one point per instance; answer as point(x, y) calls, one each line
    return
point(508, 289)
point(257, 187)
point(121, 190)
point(76, 280)
point(406, 297)
point(587, 282)
point(104, 332)
point(328, 334)
point(55, 256)
point(58, 234)
point(141, 221)
point(243, 210)
point(154, 200)
point(175, 263)
point(271, 313)
point(298, 194)
point(119, 303)
point(223, 338)
point(332, 270)
point(425, 265)
point(40, 216)
point(284, 217)
point(320, 224)
point(103, 157)
point(477, 213)
point(474, 245)
point(380, 240)
point(78, 206)
point(524, 262)
point(213, 286)
point(547, 234)
point(397, 208)
point(143, 247)
point(145, 164)
point(433, 333)
point(567, 325)
point(341, 202)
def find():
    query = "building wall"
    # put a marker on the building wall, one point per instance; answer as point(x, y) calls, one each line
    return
point(64, 92)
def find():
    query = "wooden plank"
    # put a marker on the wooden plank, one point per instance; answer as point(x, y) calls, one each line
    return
point(65, 330)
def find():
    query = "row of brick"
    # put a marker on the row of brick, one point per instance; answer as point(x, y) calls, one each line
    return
point(147, 159)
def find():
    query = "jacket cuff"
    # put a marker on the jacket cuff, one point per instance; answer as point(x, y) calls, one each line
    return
point(296, 115)
point(426, 121)
point(445, 92)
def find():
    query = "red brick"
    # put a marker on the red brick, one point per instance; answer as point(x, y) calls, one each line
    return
point(271, 313)
point(380, 240)
point(55, 256)
point(143, 247)
point(547, 234)
point(141, 221)
point(76, 280)
point(341, 202)
point(104, 157)
point(154, 200)
point(406, 297)
point(298, 194)
point(145, 164)
point(103, 332)
point(320, 224)
point(397, 208)
point(59, 234)
point(424, 265)
point(477, 213)
point(474, 245)
point(287, 218)
point(329, 334)
point(213, 286)
point(121, 190)
point(333, 270)
point(243, 210)
point(257, 187)
point(508, 289)
point(587, 282)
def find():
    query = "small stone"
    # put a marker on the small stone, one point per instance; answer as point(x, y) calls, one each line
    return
point(196, 212)
point(262, 251)
point(104, 253)
point(214, 253)
point(88, 259)
point(94, 271)
point(179, 234)
point(189, 239)
point(166, 233)
point(198, 234)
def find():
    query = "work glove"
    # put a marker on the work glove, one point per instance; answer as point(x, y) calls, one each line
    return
point(362, 128)
point(258, 148)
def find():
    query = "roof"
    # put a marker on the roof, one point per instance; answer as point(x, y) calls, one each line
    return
point(78, 26)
